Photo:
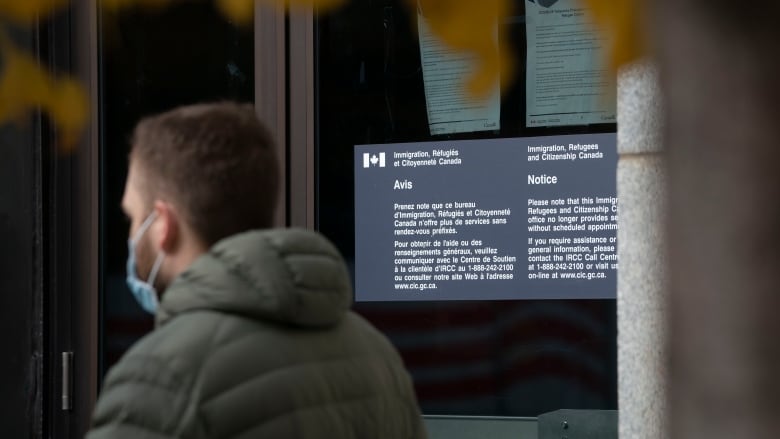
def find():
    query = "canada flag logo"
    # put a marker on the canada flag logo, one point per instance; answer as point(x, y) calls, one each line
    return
point(377, 159)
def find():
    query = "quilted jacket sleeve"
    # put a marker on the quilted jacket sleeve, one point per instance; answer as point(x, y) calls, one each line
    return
point(142, 398)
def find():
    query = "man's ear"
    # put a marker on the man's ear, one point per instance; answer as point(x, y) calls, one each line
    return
point(169, 228)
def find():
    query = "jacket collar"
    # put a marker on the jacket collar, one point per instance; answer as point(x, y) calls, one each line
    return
point(289, 276)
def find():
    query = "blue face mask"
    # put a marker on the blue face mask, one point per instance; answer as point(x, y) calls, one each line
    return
point(144, 292)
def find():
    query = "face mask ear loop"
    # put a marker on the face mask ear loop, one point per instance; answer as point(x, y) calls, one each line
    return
point(145, 225)
point(155, 268)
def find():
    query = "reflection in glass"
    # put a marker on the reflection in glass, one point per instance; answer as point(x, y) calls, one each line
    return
point(151, 61)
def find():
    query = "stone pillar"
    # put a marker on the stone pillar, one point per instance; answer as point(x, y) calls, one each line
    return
point(721, 85)
point(641, 274)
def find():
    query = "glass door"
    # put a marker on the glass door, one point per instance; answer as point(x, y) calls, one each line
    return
point(471, 227)
point(151, 61)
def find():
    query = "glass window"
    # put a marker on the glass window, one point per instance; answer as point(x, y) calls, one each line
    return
point(501, 357)
point(152, 61)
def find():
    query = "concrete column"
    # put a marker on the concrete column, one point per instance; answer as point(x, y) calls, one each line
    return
point(720, 73)
point(642, 301)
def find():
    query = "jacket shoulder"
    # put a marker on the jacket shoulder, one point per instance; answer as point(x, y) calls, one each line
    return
point(212, 374)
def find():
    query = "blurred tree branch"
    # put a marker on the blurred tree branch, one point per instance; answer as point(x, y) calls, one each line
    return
point(468, 25)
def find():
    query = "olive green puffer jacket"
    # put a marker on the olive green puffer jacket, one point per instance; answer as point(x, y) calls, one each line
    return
point(256, 340)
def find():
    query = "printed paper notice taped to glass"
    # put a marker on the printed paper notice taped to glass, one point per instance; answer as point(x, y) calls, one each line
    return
point(566, 81)
point(445, 71)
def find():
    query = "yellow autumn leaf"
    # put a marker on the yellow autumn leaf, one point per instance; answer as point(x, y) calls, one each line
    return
point(68, 107)
point(27, 11)
point(241, 12)
point(620, 19)
point(22, 84)
point(25, 86)
point(475, 27)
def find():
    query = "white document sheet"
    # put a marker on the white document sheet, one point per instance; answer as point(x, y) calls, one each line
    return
point(566, 81)
point(450, 108)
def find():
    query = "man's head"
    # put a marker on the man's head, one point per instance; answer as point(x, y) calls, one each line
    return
point(204, 172)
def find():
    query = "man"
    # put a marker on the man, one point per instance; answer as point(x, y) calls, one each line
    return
point(254, 337)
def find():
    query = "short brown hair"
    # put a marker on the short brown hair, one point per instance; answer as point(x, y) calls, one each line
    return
point(215, 161)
